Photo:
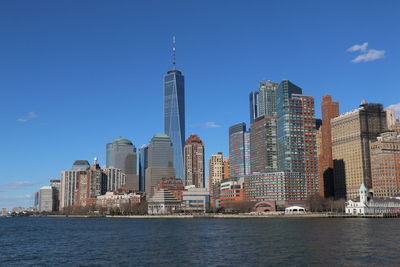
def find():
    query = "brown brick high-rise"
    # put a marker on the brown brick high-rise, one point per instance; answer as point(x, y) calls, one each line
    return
point(329, 111)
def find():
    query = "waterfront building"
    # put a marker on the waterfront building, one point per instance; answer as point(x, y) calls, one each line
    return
point(163, 202)
point(121, 154)
point(329, 110)
point(195, 200)
point(231, 192)
point(239, 150)
point(174, 113)
point(142, 166)
point(69, 180)
point(263, 146)
point(296, 135)
point(46, 199)
point(271, 186)
point(160, 162)
point(227, 168)
point(173, 185)
point(194, 161)
point(371, 205)
point(385, 165)
point(55, 185)
point(116, 179)
point(352, 133)
point(112, 200)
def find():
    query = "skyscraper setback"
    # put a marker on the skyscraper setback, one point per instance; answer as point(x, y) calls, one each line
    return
point(174, 113)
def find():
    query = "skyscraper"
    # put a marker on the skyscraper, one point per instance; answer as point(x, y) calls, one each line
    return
point(194, 161)
point(267, 99)
point(254, 100)
point(329, 111)
point(142, 166)
point(216, 174)
point(352, 133)
point(239, 150)
point(159, 162)
point(46, 199)
point(121, 154)
point(296, 134)
point(174, 113)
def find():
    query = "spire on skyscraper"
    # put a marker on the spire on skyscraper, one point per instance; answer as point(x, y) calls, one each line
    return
point(173, 53)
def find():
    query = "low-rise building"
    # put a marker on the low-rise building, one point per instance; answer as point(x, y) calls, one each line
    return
point(163, 202)
point(196, 200)
point(113, 200)
point(231, 191)
point(365, 204)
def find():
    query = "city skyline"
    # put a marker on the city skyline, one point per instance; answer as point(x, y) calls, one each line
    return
point(42, 97)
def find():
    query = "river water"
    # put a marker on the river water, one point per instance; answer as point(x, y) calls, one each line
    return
point(199, 242)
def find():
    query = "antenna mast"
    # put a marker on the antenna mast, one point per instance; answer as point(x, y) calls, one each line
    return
point(173, 53)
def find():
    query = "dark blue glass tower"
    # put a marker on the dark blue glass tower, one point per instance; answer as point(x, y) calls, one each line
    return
point(174, 115)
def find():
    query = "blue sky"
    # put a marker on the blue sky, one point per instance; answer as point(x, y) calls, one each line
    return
point(74, 75)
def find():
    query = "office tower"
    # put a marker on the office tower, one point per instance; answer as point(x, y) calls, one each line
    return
point(227, 168)
point(46, 199)
point(329, 110)
point(69, 180)
point(267, 99)
point(121, 154)
point(36, 201)
point(159, 162)
point(263, 146)
point(216, 167)
point(174, 113)
point(254, 100)
point(90, 184)
point(55, 185)
point(385, 165)
point(194, 161)
point(352, 133)
point(296, 134)
point(142, 166)
point(116, 179)
point(239, 150)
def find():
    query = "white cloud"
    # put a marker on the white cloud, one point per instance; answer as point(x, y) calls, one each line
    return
point(31, 115)
point(396, 108)
point(2, 197)
point(356, 47)
point(371, 55)
point(19, 184)
point(211, 124)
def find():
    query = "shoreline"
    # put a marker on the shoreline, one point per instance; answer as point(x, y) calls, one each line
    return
point(226, 216)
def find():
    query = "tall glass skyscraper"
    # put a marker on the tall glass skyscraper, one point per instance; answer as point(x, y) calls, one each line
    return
point(142, 166)
point(174, 115)
point(239, 150)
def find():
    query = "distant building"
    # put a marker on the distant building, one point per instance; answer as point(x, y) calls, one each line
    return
point(365, 204)
point(216, 172)
point(121, 154)
point(143, 151)
point(385, 165)
point(227, 168)
point(352, 133)
point(194, 161)
point(239, 150)
point(163, 202)
point(56, 184)
point(195, 200)
point(391, 118)
point(46, 199)
point(116, 179)
point(329, 111)
point(160, 162)
point(36, 201)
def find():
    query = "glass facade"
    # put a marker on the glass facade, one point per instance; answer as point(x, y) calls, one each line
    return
point(239, 150)
point(174, 116)
point(142, 166)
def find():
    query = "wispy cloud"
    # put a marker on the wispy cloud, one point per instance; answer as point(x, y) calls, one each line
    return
point(371, 55)
point(366, 54)
point(3, 197)
point(206, 125)
point(31, 115)
point(18, 185)
point(362, 47)
point(396, 108)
